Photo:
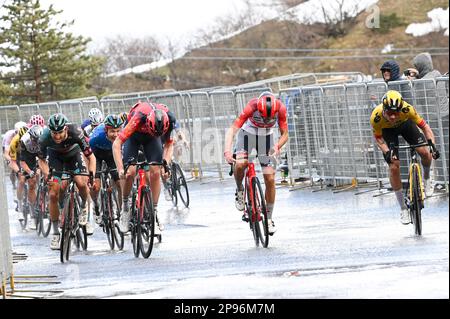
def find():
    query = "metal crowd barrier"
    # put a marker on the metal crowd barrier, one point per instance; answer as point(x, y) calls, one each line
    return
point(6, 262)
point(331, 137)
point(330, 134)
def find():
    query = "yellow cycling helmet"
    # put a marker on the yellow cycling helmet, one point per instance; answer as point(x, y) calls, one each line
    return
point(392, 101)
point(22, 131)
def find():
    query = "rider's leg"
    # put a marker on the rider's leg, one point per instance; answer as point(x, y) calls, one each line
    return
point(20, 189)
point(396, 182)
point(53, 205)
point(269, 181)
point(427, 158)
point(32, 190)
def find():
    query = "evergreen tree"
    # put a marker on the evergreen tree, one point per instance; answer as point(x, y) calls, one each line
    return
point(51, 64)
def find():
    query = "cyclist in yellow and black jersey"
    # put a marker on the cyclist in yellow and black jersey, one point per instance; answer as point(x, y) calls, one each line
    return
point(396, 117)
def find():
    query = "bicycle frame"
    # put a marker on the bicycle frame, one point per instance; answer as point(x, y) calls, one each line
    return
point(250, 174)
point(415, 163)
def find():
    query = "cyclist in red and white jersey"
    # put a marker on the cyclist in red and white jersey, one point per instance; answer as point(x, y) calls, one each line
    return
point(255, 131)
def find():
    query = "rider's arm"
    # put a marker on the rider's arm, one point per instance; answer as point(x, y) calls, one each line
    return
point(43, 165)
point(25, 167)
point(168, 151)
point(381, 144)
point(282, 124)
point(229, 137)
point(117, 154)
point(92, 163)
point(428, 133)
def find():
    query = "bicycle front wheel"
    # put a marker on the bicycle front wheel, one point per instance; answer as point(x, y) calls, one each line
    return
point(182, 187)
point(417, 201)
point(259, 216)
point(44, 214)
point(147, 229)
point(115, 211)
point(65, 238)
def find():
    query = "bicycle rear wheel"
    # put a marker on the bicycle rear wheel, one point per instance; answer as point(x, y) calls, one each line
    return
point(106, 211)
point(181, 184)
point(259, 217)
point(115, 211)
point(417, 201)
point(44, 214)
point(147, 227)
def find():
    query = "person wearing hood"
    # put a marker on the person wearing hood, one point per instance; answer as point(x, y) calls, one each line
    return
point(390, 71)
point(424, 64)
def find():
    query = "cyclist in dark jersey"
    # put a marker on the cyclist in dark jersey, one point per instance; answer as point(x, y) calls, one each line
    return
point(62, 145)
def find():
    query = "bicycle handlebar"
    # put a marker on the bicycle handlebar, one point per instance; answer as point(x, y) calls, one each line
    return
point(405, 147)
point(145, 163)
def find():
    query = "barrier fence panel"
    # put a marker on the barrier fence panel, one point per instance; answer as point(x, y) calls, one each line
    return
point(72, 109)
point(9, 115)
point(206, 142)
point(225, 113)
point(6, 263)
point(426, 103)
point(27, 110)
point(315, 124)
point(298, 149)
point(244, 96)
point(48, 109)
point(113, 106)
point(443, 138)
point(338, 133)
point(359, 112)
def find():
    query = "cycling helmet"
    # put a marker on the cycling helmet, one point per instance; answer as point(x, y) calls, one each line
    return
point(96, 116)
point(57, 122)
point(35, 131)
point(123, 116)
point(18, 125)
point(22, 131)
point(158, 122)
point(268, 105)
point(113, 121)
point(37, 120)
point(392, 101)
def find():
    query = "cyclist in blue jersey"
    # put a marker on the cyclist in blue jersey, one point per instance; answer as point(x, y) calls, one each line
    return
point(100, 141)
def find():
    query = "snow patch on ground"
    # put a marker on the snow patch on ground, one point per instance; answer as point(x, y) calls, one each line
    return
point(439, 21)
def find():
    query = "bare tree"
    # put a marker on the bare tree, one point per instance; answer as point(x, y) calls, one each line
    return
point(340, 18)
point(123, 52)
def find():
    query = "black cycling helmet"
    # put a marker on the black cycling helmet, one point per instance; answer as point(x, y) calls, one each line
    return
point(113, 121)
point(57, 122)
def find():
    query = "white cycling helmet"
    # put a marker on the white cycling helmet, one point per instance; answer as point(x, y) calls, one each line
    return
point(19, 125)
point(96, 116)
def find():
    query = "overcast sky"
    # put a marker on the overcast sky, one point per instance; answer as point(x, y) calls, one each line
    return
point(176, 19)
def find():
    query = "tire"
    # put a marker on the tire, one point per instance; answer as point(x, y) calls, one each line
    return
point(108, 226)
point(181, 184)
point(417, 202)
point(65, 238)
point(117, 234)
point(46, 223)
point(24, 221)
point(147, 226)
point(135, 225)
point(260, 223)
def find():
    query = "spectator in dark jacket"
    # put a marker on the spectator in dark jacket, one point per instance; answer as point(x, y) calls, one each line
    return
point(424, 64)
point(390, 70)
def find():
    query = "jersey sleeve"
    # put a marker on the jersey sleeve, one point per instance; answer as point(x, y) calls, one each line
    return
point(413, 115)
point(14, 147)
point(82, 141)
point(42, 154)
point(282, 117)
point(131, 127)
point(167, 138)
point(247, 112)
point(375, 122)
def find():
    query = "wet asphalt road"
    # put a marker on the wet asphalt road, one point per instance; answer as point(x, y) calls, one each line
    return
point(327, 246)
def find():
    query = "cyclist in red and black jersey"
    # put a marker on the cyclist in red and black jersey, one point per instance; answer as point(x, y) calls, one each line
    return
point(255, 131)
point(149, 126)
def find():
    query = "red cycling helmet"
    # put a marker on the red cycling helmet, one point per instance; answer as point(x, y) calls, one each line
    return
point(37, 120)
point(268, 105)
point(158, 122)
